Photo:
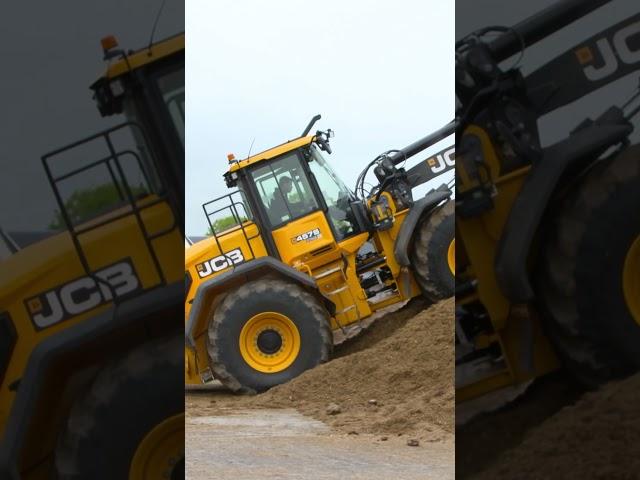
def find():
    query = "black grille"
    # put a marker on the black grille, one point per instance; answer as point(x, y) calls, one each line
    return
point(7, 342)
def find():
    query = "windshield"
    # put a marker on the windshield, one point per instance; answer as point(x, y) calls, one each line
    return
point(172, 89)
point(284, 189)
point(336, 195)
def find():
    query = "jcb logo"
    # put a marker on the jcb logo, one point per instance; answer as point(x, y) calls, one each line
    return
point(81, 295)
point(621, 46)
point(442, 161)
point(221, 262)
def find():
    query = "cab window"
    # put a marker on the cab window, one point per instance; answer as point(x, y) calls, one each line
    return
point(336, 195)
point(284, 189)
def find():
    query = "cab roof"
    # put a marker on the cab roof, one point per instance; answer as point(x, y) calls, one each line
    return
point(271, 153)
point(146, 55)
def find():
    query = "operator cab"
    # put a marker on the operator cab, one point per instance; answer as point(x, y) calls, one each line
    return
point(291, 188)
point(298, 183)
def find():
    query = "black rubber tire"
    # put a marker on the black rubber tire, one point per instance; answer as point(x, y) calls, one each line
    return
point(429, 251)
point(580, 280)
point(266, 295)
point(126, 400)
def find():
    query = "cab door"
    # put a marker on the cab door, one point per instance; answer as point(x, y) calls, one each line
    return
point(299, 227)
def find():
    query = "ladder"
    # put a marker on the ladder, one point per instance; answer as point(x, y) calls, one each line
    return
point(337, 291)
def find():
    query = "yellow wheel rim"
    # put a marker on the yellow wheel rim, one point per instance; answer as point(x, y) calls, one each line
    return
point(451, 256)
point(160, 452)
point(269, 342)
point(631, 279)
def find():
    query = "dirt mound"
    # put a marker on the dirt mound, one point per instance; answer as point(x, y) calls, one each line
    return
point(383, 327)
point(395, 379)
point(595, 438)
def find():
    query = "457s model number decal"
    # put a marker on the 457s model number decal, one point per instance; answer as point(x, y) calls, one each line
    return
point(307, 236)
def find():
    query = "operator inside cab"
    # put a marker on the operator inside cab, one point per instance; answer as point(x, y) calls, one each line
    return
point(278, 207)
point(284, 189)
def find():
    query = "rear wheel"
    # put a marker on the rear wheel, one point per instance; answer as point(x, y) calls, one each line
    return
point(433, 253)
point(265, 333)
point(130, 423)
point(590, 279)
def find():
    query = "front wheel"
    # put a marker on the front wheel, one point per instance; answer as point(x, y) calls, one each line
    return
point(433, 253)
point(265, 333)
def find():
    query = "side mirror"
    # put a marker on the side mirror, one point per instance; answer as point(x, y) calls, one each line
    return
point(323, 143)
point(322, 139)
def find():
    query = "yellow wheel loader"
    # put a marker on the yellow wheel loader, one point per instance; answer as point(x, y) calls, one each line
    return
point(548, 257)
point(302, 256)
point(90, 350)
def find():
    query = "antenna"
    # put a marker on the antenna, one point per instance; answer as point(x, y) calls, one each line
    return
point(155, 23)
point(249, 154)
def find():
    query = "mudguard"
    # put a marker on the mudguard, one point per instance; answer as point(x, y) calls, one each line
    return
point(575, 153)
point(88, 344)
point(208, 290)
point(429, 202)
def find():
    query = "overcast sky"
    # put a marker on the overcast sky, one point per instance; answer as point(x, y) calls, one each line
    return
point(380, 73)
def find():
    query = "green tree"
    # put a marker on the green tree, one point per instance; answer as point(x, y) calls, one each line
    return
point(86, 203)
point(222, 224)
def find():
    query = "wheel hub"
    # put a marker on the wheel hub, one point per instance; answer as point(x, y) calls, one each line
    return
point(269, 341)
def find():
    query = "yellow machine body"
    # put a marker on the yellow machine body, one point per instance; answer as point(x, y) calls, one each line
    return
point(306, 244)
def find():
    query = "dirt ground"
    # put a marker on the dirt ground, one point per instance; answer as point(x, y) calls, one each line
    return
point(239, 444)
point(390, 387)
point(395, 379)
point(556, 431)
